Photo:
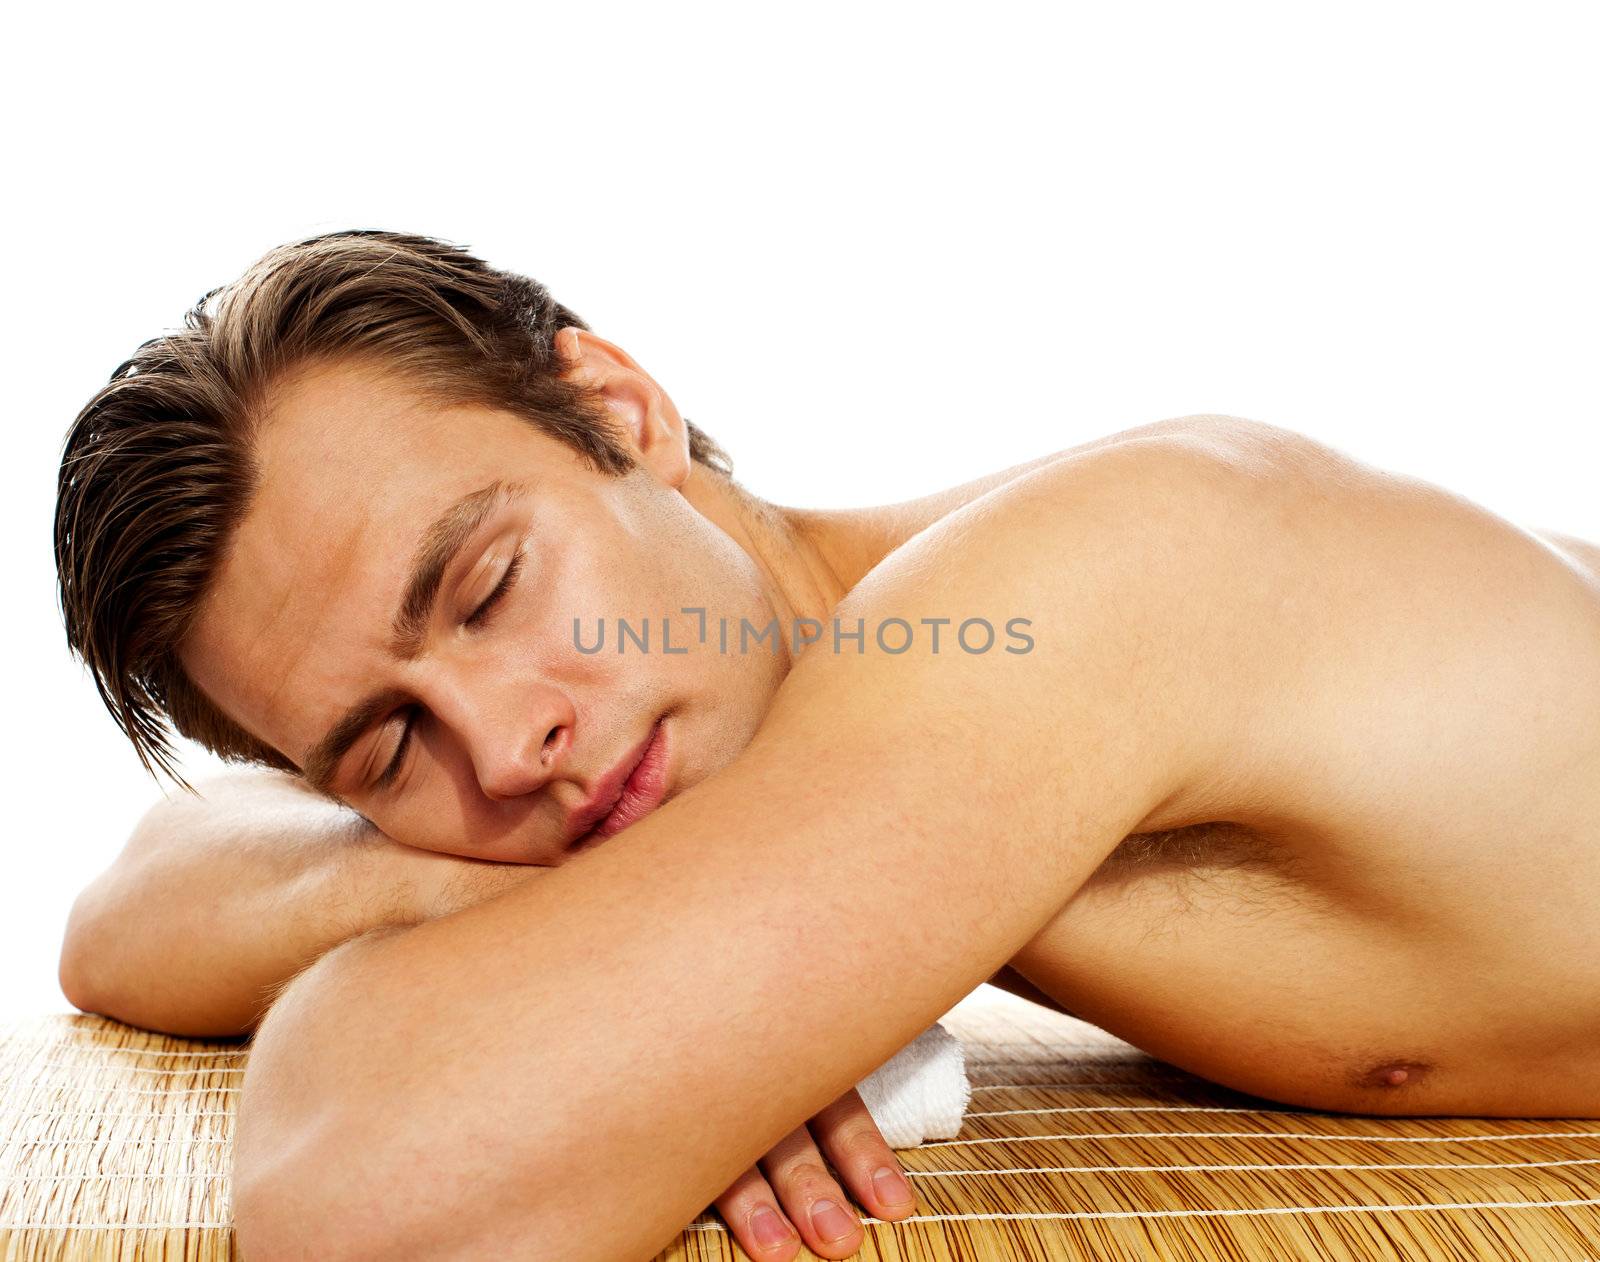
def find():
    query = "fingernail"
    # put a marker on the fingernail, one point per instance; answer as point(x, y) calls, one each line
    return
point(831, 1222)
point(891, 1187)
point(768, 1228)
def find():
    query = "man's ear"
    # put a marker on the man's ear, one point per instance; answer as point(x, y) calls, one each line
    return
point(647, 417)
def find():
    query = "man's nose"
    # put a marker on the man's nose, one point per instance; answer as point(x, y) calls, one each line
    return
point(524, 762)
point(518, 737)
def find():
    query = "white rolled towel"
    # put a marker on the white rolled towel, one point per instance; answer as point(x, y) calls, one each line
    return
point(921, 1092)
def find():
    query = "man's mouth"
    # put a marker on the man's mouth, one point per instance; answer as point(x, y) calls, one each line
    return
point(642, 792)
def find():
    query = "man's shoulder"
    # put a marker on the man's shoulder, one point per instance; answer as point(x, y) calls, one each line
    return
point(1237, 442)
point(1092, 599)
point(1206, 486)
point(1208, 455)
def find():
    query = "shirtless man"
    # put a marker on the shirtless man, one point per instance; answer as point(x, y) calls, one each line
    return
point(1277, 765)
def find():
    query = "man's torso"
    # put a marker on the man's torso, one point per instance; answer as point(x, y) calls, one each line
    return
point(1400, 917)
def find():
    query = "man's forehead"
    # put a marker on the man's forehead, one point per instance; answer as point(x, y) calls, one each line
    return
point(285, 620)
point(343, 416)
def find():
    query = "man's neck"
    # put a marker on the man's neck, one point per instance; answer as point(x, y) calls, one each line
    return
point(808, 559)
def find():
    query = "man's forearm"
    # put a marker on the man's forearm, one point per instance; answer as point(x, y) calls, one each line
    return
point(215, 903)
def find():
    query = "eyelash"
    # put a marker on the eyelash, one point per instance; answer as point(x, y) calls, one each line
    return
point(393, 769)
point(480, 615)
point(477, 618)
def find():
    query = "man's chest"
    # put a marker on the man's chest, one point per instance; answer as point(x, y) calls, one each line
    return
point(1397, 915)
point(1205, 948)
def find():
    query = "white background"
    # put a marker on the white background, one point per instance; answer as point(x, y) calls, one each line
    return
point(874, 251)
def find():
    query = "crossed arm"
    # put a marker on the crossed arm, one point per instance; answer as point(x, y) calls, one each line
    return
point(576, 1068)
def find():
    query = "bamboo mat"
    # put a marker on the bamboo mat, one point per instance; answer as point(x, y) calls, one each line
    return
point(114, 1145)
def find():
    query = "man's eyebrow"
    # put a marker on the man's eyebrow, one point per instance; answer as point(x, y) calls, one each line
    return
point(440, 543)
point(438, 547)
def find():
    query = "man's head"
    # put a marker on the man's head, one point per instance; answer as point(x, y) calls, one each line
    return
point(278, 529)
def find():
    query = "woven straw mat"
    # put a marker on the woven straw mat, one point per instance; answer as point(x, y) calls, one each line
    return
point(114, 1145)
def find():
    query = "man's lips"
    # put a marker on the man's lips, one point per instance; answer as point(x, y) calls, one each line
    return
point(628, 792)
point(644, 789)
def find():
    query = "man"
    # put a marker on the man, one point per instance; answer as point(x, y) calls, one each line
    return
point(1275, 764)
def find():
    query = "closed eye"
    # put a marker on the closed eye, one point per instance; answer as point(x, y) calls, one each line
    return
point(393, 769)
point(480, 616)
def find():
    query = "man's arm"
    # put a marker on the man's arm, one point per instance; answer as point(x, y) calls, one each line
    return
point(577, 1068)
point(217, 901)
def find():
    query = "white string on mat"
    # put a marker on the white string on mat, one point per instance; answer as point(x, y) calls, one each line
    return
point(147, 1117)
point(163, 1177)
point(180, 1177)
point(118, 1143)
point(116, 1090)
point(44, 1225)
point(1146, 1108)
point(127, 1069)
point(1372, 1139)
point(101, 1048)
point(1335, 1165)
point(1081, 1215)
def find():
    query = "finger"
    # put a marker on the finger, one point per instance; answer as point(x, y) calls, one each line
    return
point(751, 1211)
point(850, 1139)
point(816, 1204)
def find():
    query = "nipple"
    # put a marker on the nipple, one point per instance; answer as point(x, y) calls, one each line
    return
point(1391, 1074)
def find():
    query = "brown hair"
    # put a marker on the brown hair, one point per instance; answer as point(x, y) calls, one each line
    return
point(157, 469)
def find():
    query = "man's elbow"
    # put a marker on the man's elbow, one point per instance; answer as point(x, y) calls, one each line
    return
point(80, 970)
point(325, 1202)
point(274, 1219)
point(294, 1182)
point(73, 978)
point(93, 972)
point(299, 1202)
point(334, 1157)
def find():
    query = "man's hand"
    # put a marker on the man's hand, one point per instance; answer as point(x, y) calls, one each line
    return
point(804, 1188)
